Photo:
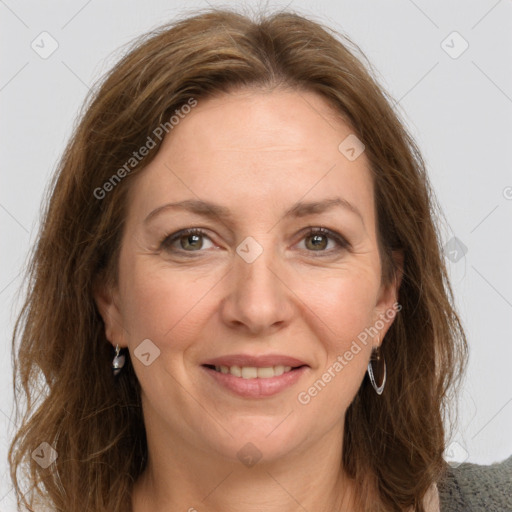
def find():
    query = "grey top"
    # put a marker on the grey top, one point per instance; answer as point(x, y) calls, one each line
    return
point(473, 488)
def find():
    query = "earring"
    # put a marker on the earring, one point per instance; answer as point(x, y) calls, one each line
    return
point(118, 361)
point(382, 371)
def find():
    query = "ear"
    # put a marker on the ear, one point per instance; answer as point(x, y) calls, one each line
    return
point(106, 299)
point(387, 303)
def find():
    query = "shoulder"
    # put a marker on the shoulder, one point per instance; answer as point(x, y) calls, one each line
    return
point(474, 487)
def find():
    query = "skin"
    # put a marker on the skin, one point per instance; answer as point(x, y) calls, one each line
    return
point(257, 153)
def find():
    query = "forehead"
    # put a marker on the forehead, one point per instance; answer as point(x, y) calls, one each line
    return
point(256, 150)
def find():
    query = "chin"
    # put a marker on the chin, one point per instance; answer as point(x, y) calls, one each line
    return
point(258, 437)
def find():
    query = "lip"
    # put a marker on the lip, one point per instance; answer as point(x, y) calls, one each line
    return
point(262, 361)
point(256, 388)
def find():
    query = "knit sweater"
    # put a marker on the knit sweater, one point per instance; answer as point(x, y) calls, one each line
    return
point(477, 488)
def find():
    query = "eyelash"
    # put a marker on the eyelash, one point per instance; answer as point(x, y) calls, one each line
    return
point(168, 240)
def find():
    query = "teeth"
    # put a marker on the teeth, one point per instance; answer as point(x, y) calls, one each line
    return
point(251, 372)
point(265, 373)
point(236, 371)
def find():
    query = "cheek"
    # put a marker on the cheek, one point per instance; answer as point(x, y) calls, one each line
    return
point(345, 304)
point(343, 310)
point(158, 303)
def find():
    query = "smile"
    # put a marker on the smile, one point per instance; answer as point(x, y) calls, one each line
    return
point(254, 382)
point(252, 372)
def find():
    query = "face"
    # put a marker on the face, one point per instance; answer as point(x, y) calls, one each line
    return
point(282, 270)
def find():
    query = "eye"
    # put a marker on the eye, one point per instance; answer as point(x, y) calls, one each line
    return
point(193, 240)
point(317, 240)
point(188, 240)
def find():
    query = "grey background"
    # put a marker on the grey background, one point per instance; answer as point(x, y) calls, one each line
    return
point(458, 109)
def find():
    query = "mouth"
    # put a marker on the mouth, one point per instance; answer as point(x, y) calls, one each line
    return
point(253, 372)
point(254, 376)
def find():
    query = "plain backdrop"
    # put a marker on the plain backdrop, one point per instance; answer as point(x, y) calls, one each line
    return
point(446, 64)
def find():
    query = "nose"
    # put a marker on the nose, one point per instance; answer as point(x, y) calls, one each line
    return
point(258, 301)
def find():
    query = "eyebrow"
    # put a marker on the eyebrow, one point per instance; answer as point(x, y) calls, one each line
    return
point(301, 209)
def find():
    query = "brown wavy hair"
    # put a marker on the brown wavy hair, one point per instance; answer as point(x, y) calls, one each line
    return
point(65, 392)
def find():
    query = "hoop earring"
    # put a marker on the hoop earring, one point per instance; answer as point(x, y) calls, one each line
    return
point(380, 360)
point(118, 361)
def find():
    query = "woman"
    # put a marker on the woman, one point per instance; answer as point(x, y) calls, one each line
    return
point(243, 229)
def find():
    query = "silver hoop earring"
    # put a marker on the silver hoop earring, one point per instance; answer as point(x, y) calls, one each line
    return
point(380, 360)
point(118, 361)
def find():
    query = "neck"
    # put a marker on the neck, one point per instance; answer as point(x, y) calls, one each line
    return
point(181, 477)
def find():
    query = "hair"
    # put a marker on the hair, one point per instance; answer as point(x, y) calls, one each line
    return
point(393, 444)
